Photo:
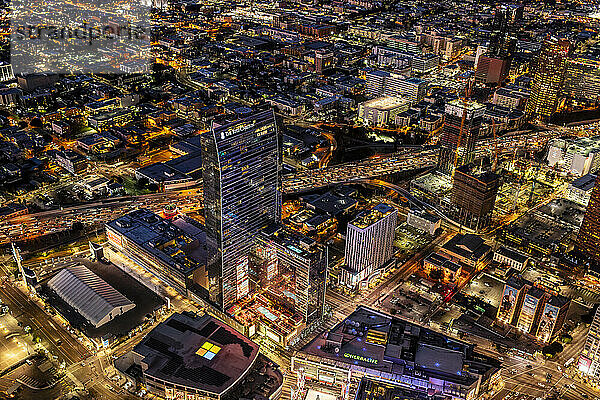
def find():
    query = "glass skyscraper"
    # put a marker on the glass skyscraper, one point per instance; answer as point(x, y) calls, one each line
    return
point(548, 76)
point(241, 173)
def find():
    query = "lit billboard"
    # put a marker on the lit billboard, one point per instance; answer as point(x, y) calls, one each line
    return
point(508, 304)
point(547, 322)
point(527, 315)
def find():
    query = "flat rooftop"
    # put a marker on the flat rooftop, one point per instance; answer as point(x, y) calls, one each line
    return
point(169, 241)
point(585, 183)
point(386, 103)
point(433, 183)
point(386, 344)
point(372, 216)
point(198, 352)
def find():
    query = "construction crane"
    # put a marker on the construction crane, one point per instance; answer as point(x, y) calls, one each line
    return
point(462, 123)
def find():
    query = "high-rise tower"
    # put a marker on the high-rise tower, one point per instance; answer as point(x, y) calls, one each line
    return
point(548, 76)
point(588, 239)
point(241, 172)
point(460, 132)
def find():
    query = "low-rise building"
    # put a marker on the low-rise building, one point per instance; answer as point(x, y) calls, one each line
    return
point(424, 221)
point(371, 347)
point(200, 357)
point(382, 110)
point(511, 258)
point(580, 190)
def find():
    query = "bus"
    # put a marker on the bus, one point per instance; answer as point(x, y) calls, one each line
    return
point(569, 362)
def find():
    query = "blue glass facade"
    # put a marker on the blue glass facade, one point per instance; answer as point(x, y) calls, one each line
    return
point(241, 178)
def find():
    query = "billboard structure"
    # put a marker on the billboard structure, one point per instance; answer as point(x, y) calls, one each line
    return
point(508, 304)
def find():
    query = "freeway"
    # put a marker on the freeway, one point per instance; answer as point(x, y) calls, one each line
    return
point(37, 224)
point(407, 159)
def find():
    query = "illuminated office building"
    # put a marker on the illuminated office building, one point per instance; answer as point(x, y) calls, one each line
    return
point(241, 174)
point(582, 79)
point(369, 243)
point(462, 123)
point(548, 77)
point(588, 239)
point(474, 196)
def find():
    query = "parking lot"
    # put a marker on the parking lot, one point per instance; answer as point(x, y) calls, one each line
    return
point(485, 288)
point(408, 301)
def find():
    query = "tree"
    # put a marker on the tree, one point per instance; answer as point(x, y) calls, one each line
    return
point(36, 123)
point(436, 274)
point(552, 349)
point(142, 182)
point(566, 338)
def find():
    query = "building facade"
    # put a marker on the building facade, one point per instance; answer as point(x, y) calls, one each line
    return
point(588, 239)
point(241, 176)
point(548, 77)
point(474, 196)
point(589, 359)
point(369, 243)
point(462, 123)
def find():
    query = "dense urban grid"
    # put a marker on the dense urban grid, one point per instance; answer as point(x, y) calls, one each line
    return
point(300, 200)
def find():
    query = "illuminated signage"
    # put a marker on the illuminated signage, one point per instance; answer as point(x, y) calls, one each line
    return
point(361, 358)
point(235, 129)
point(208, 350)
point(507, 305)
point(584, 365)
point(114, 238)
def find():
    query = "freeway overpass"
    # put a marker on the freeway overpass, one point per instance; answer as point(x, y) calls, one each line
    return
point(406, 159)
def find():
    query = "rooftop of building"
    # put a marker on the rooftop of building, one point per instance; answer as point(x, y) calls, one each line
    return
point(386, 344)
point(485, 177)
point(197, 352)
point(386, 103)
point(538, 230)
point(517, 282)
point(425, 215)
point(332, 202)
point(585, 183)
point(469, 105)
point(433, 183)
point(88, 293)
point(583, 145)
point(181, 250)
point(372, 216)
point(439, 261)
point(559, 301)
point(512, 254)
point(467, 245)
point(297, 244)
